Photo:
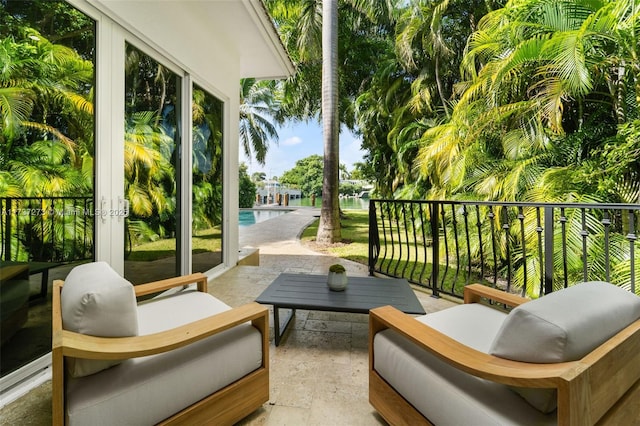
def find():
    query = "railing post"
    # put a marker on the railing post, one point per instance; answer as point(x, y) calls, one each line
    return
point(435, 248)
point(548, 249)
point(6, 250)
point(632, 237)
point(373, 238)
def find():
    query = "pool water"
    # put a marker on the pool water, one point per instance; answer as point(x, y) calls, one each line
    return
point(345, 203)
point(251, 217)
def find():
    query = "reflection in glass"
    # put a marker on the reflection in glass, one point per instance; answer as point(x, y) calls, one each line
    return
point(207, 181)
point(46, 166)
point(152, 141)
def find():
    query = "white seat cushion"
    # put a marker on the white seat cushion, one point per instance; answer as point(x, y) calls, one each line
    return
point(445, 395)
point(147, 390)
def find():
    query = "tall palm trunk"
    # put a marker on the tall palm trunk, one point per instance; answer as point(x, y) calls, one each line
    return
point(329, 229)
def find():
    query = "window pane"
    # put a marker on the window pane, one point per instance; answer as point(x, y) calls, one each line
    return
point(151, 168)
point(207, 181)
point(46, 165)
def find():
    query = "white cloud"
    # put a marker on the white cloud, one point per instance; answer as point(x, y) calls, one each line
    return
point(300, 140)
point(293, 140)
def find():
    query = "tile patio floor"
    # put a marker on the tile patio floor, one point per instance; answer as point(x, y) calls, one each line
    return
point(318, 373)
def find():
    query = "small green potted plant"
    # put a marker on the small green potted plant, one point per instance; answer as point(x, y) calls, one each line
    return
point(337, 278)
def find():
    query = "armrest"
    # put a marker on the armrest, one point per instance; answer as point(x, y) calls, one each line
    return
point(464, 358)
point(92, 347)
point(474, 292)
point(162, 285)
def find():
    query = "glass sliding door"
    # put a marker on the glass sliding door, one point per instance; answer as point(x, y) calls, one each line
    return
point(207, 157)
point(151, 168)
point(47, 83)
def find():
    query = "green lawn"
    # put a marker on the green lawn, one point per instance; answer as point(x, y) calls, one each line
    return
point(207, 240)
point(355, 237)
point(355, 247)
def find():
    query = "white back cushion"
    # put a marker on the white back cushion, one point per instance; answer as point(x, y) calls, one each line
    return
point(97, 301)
point(567, 324)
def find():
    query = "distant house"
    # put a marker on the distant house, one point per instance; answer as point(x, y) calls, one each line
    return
point(272, 189)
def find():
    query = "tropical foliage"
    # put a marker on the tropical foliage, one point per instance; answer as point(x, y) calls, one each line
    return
point(306, 176)
point(508, 100)
point(207, 160)
point(547, 97)
point(46, 117)
point(503, 100)
point(247, 188)
point(258, 108)
point(519, 100)
point(546, 86)
point(47, 137)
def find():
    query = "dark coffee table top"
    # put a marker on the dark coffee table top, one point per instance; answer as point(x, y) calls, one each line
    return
point(302, 291)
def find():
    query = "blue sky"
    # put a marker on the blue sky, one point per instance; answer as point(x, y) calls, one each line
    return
point(300, 140)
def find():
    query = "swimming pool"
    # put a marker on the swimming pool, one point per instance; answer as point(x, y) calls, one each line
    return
point(251, 217)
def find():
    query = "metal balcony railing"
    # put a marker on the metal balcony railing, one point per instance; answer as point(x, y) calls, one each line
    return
point(46, 229)
point(530, 248)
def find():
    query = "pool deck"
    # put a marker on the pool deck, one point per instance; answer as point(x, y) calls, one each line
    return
point(250, 217)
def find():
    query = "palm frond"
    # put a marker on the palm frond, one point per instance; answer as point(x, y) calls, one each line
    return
point(16, 105)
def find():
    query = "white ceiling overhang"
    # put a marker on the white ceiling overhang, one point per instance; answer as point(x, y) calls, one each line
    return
point(243, 26)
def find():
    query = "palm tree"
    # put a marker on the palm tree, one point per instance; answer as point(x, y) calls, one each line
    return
point(538, 116)
point(388, 114)
point(412, 88)
point(329, 228)
point(258, 107)
point(147, 165)
point(362, 27)
point(562, 53)
point(16, 94)
point(46, 140)
point(45, 154)
point(534, 108)
point(207, 160)
point(421, 30)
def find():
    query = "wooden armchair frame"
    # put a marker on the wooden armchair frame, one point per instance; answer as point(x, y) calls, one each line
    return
point(226, 406)
point(601, 388)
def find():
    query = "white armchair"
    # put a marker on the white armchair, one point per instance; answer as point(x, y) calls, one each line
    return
point(568, 358)
point(186, 358)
